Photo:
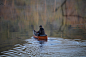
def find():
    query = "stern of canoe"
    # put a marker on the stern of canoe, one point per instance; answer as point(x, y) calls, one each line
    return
point(40, 37)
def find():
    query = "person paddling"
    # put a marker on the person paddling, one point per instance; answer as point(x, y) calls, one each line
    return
point(41, 31)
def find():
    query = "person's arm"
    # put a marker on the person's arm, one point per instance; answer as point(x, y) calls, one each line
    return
point(39, 31)
point(34, 31)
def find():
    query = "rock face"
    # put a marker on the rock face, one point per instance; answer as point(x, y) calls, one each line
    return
point(57, 16)
point(76, 13)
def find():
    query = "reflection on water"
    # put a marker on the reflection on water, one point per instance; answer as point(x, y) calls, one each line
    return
point(53, 47)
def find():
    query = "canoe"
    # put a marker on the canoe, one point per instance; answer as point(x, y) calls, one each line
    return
point(42, 37)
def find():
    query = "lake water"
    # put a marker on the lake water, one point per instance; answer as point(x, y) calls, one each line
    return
point(53, 47)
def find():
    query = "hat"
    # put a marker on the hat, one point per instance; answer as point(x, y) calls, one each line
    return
point(40, 26)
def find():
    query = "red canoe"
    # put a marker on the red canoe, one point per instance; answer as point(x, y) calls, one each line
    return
point(43, 37)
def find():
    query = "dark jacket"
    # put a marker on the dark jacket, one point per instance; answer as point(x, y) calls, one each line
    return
point(41, 31)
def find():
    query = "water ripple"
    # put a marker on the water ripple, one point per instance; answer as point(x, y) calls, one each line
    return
point(56, 47)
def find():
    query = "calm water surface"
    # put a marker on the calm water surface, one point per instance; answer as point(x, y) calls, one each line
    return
point(53, 47)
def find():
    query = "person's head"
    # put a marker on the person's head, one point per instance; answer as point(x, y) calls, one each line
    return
point(40, 26)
